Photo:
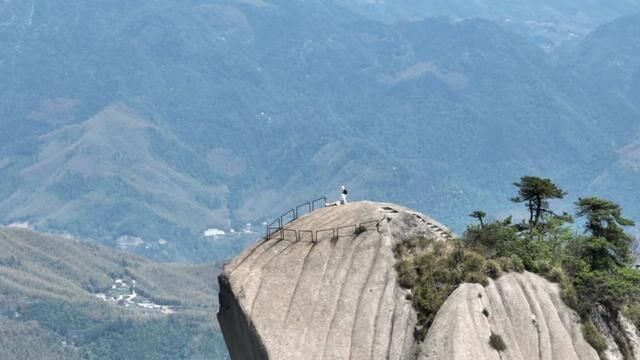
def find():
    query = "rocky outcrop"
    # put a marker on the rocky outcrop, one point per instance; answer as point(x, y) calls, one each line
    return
point(312, 294)
point(525, 310)
point(330, 298)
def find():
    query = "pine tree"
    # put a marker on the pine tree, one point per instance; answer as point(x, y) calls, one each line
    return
point(480, 215)
point(536, 192)
point(605, 222)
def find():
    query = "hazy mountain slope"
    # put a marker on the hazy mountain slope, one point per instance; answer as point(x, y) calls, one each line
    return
point(58, 301)
point(606, 66)
point(177, 116)
point(620, 180)
point(483, 8)
point(130, 172)
point(445, 95)
point(548, 23)
point(610, 56)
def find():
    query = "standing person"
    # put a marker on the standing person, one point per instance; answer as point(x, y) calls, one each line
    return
point(343, 198)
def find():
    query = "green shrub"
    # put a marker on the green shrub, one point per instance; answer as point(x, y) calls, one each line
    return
point(427, 300)
point(516, 263)
point(512, 263)
point(493, 269)
point(497, 343)
point(473, 262)
point(456, 258)
point(416, 246)
point(423, 242)
point(407, 276)
point(593, 336)
point(425, 264)
point(493, 239)
point(439, 248)
point(537, 254)
point(505, 264)
point(569, 296)
point(557, 275)
point(433, 270)
point(542, 267)
point(476, 277)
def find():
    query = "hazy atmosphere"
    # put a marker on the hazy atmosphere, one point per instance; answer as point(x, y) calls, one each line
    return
point(162, 131)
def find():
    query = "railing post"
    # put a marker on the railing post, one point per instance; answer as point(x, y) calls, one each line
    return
point(307, 204)
point(295, 212)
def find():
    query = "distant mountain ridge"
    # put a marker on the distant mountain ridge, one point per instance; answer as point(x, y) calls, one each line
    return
point(160, 119)
point(549, 23)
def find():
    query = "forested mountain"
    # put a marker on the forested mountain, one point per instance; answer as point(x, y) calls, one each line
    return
point(548, 23)
point(63, 299)
point(610, 58)
point(146, 123)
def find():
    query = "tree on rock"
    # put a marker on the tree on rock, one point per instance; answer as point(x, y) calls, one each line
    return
point(536, 192)
point(480, 215)
point(605, 222)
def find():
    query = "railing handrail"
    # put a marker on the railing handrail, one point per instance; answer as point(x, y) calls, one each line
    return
point(311, 205)
point(335, 231)
point(283, 216)
point(307, 204)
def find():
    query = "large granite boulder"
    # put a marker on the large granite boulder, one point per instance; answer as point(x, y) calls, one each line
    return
point(304, 294)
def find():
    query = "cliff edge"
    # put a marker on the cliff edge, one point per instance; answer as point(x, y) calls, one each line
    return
point(320, 289)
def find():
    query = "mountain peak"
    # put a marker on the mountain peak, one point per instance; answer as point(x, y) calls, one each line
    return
point(324, 286)
point(328, 296)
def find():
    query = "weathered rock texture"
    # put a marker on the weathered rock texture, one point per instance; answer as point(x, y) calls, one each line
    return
point(524, 309)
point(291, 298)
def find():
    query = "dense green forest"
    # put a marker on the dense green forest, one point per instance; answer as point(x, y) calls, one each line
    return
point(63, 299)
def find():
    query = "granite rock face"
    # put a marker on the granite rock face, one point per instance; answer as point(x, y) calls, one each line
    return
point(525, 310)
point(333, 294)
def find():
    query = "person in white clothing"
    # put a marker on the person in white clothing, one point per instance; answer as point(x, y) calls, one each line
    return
point(343, 198)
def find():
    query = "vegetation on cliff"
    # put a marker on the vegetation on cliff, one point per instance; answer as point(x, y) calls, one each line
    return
point(593, 268)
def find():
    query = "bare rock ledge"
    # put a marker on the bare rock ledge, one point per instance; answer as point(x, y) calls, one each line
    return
point(291, 298)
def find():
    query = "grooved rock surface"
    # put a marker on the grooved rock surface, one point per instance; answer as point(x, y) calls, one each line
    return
point(338, 298)
point(524, 309)
point(335, 299)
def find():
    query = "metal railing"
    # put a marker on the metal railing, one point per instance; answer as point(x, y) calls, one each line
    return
point(331, 233)
point(322, 200)
point(294, 214)
point(336, 232)
point(270, 227)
